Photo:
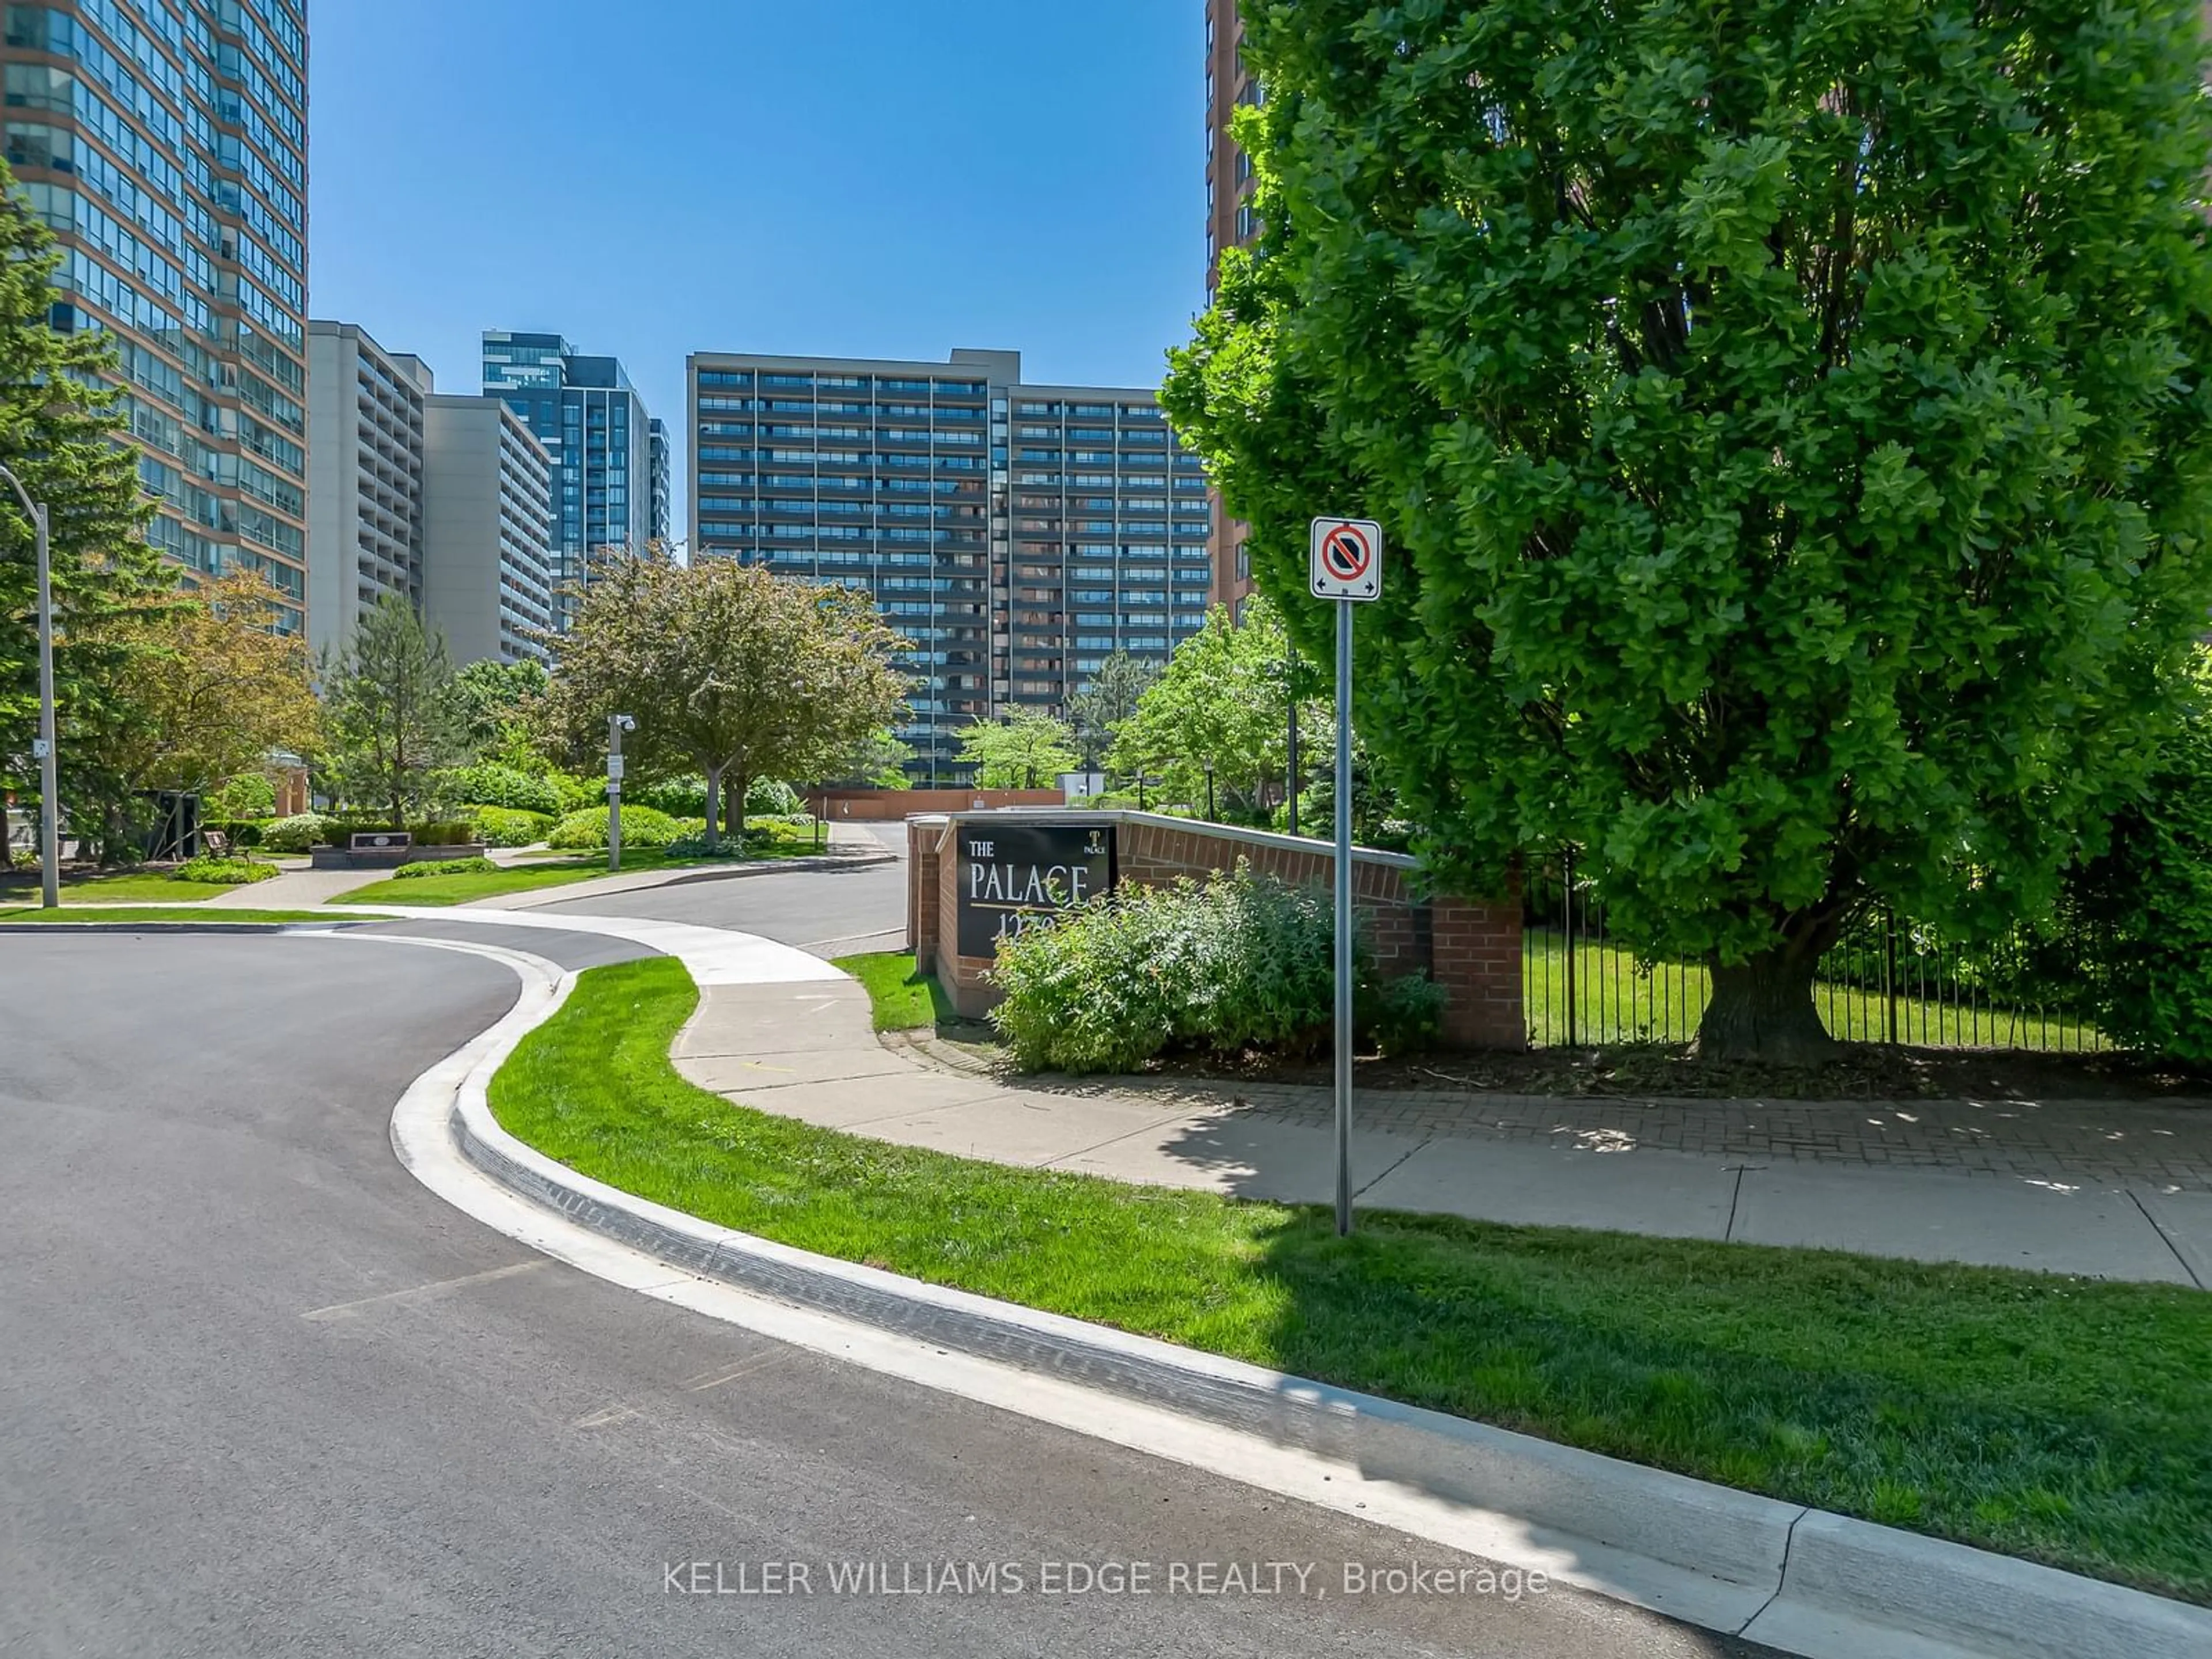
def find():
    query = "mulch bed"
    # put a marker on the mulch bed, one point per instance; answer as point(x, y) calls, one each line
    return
point(1864, 1071)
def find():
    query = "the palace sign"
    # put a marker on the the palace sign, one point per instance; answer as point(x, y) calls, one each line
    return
point(1011, 872)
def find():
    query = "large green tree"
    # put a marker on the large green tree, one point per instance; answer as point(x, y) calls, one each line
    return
point(494, 702)
point(730, 671)
point(877, 760)
point(393, 720)
point(1027, 749)
point(1789, 422)
point(59, 421)
point(1222, 701)
point(1109, 696)
point(207, 688)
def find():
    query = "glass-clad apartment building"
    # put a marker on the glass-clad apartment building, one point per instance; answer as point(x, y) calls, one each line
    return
point(165, 142)
point(1017, 534)
point(594, 425)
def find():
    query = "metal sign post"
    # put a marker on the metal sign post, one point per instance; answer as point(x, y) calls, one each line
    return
point(1346, 566)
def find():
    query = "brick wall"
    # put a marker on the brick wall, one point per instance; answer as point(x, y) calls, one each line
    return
point(883, 806)
point(924, 839)
point(1471, 948)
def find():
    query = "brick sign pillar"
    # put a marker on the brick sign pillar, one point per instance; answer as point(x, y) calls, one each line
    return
point(1470, 947)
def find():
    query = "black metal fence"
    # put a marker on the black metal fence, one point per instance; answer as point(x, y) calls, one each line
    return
point(1887, 980)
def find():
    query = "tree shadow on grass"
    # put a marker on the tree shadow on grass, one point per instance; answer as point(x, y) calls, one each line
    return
point(2038, 1415)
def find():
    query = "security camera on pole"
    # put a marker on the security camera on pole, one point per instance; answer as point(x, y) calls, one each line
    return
point(1346, 566)
point(616, 725)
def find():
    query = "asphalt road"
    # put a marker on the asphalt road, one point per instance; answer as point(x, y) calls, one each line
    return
point(833, 913)
point(262, 1393)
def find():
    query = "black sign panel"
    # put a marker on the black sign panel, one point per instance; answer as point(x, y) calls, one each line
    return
point(1010, 871)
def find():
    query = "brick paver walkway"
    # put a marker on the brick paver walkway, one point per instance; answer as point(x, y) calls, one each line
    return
point(2125, 1143)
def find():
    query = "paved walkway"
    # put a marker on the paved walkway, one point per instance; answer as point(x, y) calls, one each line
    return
point(805, 1050)
point(295, 888)
point(2127, 1143)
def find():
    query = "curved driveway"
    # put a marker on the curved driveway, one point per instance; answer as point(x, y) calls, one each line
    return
point(262, 1393)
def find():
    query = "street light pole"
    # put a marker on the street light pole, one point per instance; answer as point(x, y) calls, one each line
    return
point(1209, 792)
point(616, 725)
point(50, 857)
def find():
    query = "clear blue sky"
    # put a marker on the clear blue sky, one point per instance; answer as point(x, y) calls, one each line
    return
point(868, 178)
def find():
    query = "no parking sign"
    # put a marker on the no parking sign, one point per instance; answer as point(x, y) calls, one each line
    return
point(1347, 559)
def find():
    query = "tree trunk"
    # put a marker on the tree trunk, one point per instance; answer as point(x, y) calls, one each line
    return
point(7, 847)
point(1763, 1011)
point(714, 801)
point(736, 815)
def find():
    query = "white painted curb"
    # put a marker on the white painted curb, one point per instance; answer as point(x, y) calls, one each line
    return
point(1806, 1581)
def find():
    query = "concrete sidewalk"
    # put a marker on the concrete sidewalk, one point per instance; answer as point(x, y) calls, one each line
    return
point(295, 889)
point(806, 1051)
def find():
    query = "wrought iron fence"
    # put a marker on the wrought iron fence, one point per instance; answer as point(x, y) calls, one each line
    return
point(1889, 979)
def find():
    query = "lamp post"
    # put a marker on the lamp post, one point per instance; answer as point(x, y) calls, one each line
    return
point(50, 857)
point(616, 725)
point(1288, 672)
point(1209, 792)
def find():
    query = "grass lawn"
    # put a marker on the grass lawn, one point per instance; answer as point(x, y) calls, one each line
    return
point(555, 871)
point(2062, 1420)
point(147, 914)
point(902, 997)
point(122, 887)
point(558, 869)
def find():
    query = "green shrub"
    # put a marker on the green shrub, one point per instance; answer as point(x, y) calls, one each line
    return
point(686, 798)
point(493, 785)
point(694, 846)
point(680, 798)
point(297, 833)
point(641, 826)
point(1243, 961)
point(420, 867)
point(497, 826)
point(223, 872)
point(767, 796)
point(578, 793)
point(1403, 1016)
